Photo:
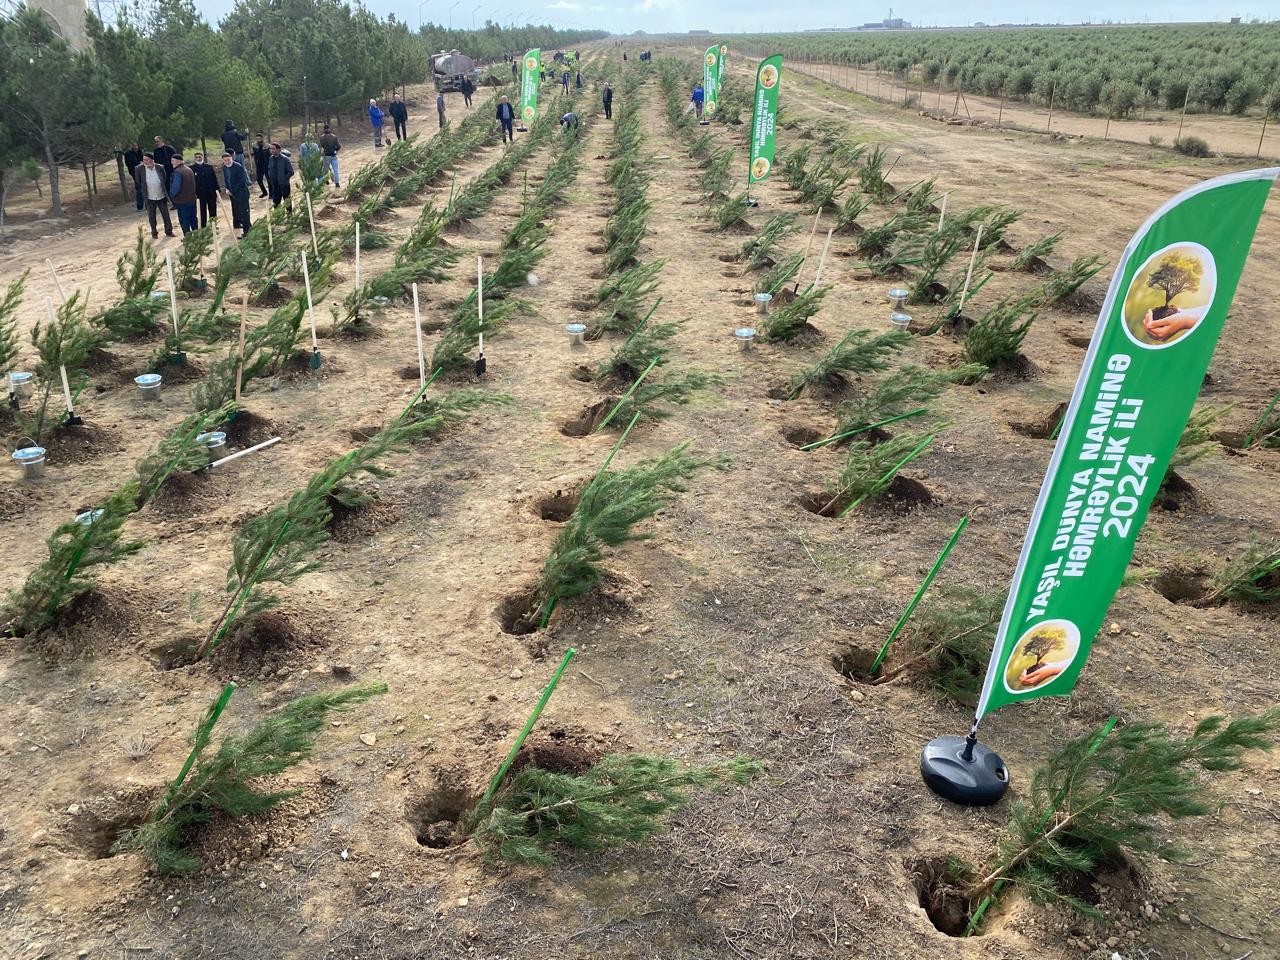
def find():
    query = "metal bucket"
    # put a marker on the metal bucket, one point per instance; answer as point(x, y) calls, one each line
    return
point(21, 383)
point(31, 459)
point(762, 303)
point(215, 442)
point(901, 320)
point(576, 332)
point(148, 386)
point(898, 298)
point(89, 517)
point(745, 337)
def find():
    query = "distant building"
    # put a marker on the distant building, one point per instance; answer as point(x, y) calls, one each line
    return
point(67, 17)
point(890, 23)
point(699, 33)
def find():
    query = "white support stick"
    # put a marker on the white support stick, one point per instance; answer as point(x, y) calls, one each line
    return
point(812, 233)
point(480, 298)
point(968, 277)
point(217, 250)
point(311, 221)
point(417, 322)
point(942, 214)
point(173, 291)
point(311, 310)
point(244, 319)
point(357, 254)
point(271, 240)
point(66, 390)
point(62, 294)
point(241, 453)
point(822, 260)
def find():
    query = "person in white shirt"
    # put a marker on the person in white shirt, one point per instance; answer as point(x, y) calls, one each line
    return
point(150, 180)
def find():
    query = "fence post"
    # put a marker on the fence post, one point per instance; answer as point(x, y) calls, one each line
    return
point(1185, 100)
point(1052, 93)
point(1265, 117)
point(1003, 90)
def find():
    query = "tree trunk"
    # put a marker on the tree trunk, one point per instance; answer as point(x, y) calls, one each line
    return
point(55, 197)
point(88, 186)
point(93, 172)
point(124, 190)
point(2, 193)
point(204, 148)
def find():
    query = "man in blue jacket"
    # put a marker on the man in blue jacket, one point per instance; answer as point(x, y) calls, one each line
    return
point(235, 187)
point(375, 120)
point(506, 117)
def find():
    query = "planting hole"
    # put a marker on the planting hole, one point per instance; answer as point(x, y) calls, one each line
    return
point(581, 373)
point(938, 882)
point(97, 824)
point(823, 504)
point(585, 422)
point(1178, 586)
point(436, 815)
point(854, 664)
point(1043, 427)
point(1176, 493)
point(518, 614)
point(557, 507)
point(799, 436)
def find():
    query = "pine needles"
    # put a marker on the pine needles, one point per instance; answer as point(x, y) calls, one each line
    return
point(224, 783)
point(759, 252)
point(1061, 284)
point(1252, 577)
point(730, 212)
point(1196, 441)
point(66, 341)
point(625, 298)
point(1030, 257)
point(948, 641)
point(868, 469)
point(621, 799)
point(790, 320)
point(907, 388)
point(998, 334)
point(1106, 796)
point(780, 274)
point(9, 322)
point(859, 351)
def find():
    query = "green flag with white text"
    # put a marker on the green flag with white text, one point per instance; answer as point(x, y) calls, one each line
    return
point(711, 80)
point(1147, 359)
point(529, 81)
point(764, 123)
point(724, 55)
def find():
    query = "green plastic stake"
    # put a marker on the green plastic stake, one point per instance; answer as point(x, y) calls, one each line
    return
point(623, 399)
point(642, 323)
point(524, 733)
point(871, 426)
point(214, 713)
point(244, 593)
point(920, 591)
point(1057, 427)
point(1053, 807)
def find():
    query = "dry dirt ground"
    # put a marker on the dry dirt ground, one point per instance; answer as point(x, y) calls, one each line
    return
point(716, 637)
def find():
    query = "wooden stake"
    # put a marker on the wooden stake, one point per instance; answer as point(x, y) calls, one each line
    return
point(217, 251)
point(808, 247)
point(1181, 119)
point(311, 311)
point(66, 387)
point(1265, 117)
point(271, 240)
point(417, 322)
point(822, 260)
point(244, 319)
point(480, 298)
point(62, 294)
point(173, 292)
point(968, 277)
point(311, 221)
point(1052, 93)
point(942, 214)
point(357, 254)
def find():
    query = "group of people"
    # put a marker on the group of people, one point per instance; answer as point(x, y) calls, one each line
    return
point(399, 112)
point(163, 179)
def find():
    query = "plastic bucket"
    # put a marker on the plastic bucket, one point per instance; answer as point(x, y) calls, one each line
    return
point(901, 320)
point(745, 337)
point(762, 302)
point(21, 383)
point(215, 442)
point(148, 386)
point(898, 298)
point(576, 332)
point(89, 517)
point(31, 459)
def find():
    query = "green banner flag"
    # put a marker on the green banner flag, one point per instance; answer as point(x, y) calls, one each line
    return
point(1147, 359)
point(529, 81)
point(764, 124)
point(724, 55)
point(711, 80)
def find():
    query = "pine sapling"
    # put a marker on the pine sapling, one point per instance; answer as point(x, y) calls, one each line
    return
point(790, 320)
point(648, 343)
point(1109, 796)
point(869, 469)
point(9, 322)
point(795, 164)
point(188, 265)
point(226, 782)
point(625, 299)
point(907, 388)
point(714, 182)
point(730, 212)
point(177, 452)
point(65, 341)
point(1061, 284)
point(996, 224)
point(859, 351)
point(1252, 577)
point(1197, 441)
point(1031, 257)
point(1265, 431)
point(931, 253)
point(848, 211)
point(997, 335)
point(780, 274)
point(759, 252)
point(621, 799)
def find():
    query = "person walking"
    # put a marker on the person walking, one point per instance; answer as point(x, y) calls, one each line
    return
point(235, 187)
point(150, 184)
point(329, 147)
point(577, 80)
point(308, 157)
point(468, 90)
point(696, 98)
point(182, 191)
point(515, 69)
point(261, 160)
point(133, 160)
point(375, 120)
point(280, 177)
point(607, 96)
point(507, 117)
point(163, 154)
point(233, 140)
point(440, 107)
point(399, 111)
point(206, 188)
point(564, 82)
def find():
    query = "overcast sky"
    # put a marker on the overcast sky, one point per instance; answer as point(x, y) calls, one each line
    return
point(738, 16)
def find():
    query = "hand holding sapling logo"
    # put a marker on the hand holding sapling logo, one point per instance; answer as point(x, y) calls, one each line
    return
point(1043, 652)
point(1170, 295)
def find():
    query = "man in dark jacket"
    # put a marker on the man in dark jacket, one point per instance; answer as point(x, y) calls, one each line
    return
point(468, 88)
point(132, 160)
point(206, 188)
point(280, 177)
point(182, 191)
point(234, 140)
point(608, 101)
point(507, 117)
point(440, 107)
point(400, 116)
point(164, 159)
point(261, 160)
point(150, 183)
point(329, 147)
point(235, 187)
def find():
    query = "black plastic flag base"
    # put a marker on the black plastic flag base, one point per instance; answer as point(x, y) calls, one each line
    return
point(752, 202)
point(964, 771)
point(315, 360)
